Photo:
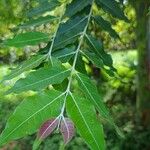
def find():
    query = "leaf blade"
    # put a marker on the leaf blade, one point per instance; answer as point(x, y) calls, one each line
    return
point(105, 25)
point(90, 90)
point(84, 118)
point(97, 47)
point(64, 54)
point(112, 7)
point(94, 59)
point(25, 66)
point(41, 78)
point(69, 32)
point(26, 122)
point(45, 130)
point(43, 7)
point(67, 129)
point(76, 6)
point(28, 38)
point(37, 22)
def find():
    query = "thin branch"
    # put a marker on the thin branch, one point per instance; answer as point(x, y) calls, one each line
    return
point(78, 48)
point(75, 59)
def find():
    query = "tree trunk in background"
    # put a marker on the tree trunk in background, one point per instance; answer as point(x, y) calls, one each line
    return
point(143, 44)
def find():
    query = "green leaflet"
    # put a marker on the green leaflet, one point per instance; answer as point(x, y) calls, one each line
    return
point(40, 1)
point(64, 54)
point(73, 23)
point(29, 38)
point(84, 117)
point(43, 7)
point(72, 28)
point(37, 22)
point(69, 32)
point(30, 114)
point(40, 79)
point(76, 6)
point(113, 8)
point(25, 66)
point(90, 91)
point(98, 62)
point(62, 86)
point(105, 25)
point(97, 47)
point(94, 59)
point(80, 65)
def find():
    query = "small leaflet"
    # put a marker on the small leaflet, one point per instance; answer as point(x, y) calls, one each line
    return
point(67, 129)
point(47, 128)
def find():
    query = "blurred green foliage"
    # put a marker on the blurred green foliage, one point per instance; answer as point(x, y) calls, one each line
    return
point(125, 30)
